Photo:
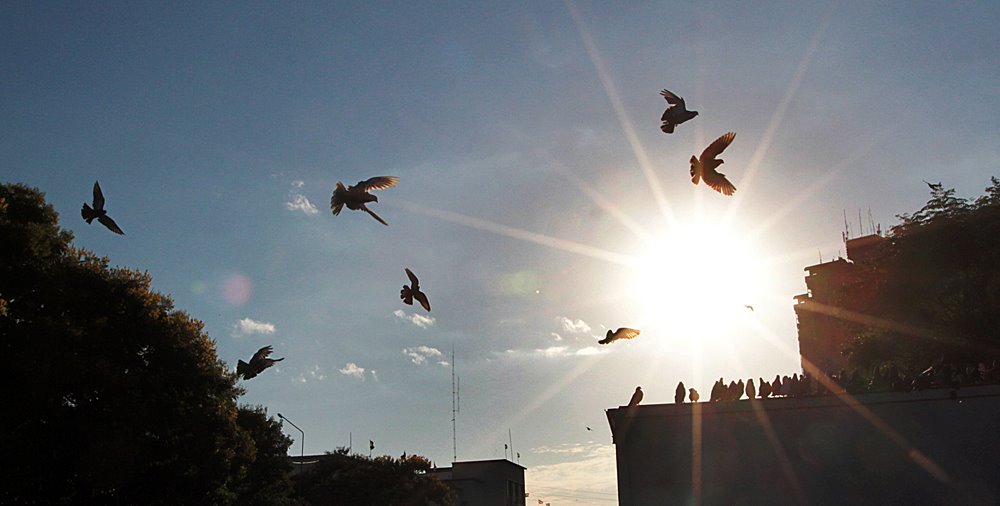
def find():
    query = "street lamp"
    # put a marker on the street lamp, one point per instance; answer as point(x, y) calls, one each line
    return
point(302, 451)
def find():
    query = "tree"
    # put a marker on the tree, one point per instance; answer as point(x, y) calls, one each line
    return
point(343, 478)
point(266, 481)
point(938, 282)
point(113, 396)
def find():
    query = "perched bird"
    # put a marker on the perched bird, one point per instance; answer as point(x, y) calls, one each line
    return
point(408, 293)
point(693, 395)
point(675, 114)
point(704, 167)
point(621, 333)
point(355, 197)
point(89, 213)
point(765, 389)
point(751, 390)
point(258, 363)
point(679, 393)
point(636, 397)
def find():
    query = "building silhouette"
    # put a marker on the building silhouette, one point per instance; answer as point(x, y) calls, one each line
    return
point(497, 482)
point(821, 324)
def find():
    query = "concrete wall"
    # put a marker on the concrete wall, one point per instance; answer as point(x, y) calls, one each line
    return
point(485, 482)
point(897, 448)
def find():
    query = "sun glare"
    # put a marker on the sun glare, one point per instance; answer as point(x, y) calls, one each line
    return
point(696, 281)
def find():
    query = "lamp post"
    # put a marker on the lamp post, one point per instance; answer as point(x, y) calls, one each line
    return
point(302, 451)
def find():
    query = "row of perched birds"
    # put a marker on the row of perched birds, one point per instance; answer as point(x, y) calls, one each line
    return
point(356, 198)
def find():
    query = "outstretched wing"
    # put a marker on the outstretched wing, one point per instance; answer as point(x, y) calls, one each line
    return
point(716, 148)
point(110, 224)
point(377, 217)
point(626, 333)
point(261, 354)
point(718, 182)
point(671, 98)
point(98, 197)
point(378, 183)
point(422, 298)
point(414, 283)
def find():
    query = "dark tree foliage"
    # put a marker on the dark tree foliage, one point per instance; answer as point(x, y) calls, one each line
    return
point(340, 478)
point(266, 481)
point(111, 395)
point(937, 284)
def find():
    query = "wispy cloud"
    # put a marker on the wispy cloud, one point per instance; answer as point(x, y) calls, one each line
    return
point(586, 472)
point(416, 319)
point(556, 336)
point(421, 354)
point(298, 183)
point(574, 326)
point(248, 326)
point(314, 374)
point(555, 352)
point(299, 202)
point(353, 370)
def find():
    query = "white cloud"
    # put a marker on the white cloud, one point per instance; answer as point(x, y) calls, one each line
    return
point(299, 202)
point(352, 369)
point(419, 354)
point(416, 319)
point(556, 336)
point(248, 326)
point(298, 183)
point(586, 469)
point(574, 326)
point(556, 352)
point(374, 374)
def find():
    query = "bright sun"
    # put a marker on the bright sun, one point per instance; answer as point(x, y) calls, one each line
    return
point(696, 281)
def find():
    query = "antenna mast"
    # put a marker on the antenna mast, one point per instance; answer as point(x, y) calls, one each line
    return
point(454, 407)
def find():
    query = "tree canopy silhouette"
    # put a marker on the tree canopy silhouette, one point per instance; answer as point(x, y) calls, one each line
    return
point(937, 271)
point(343, 478)
point(113, 396)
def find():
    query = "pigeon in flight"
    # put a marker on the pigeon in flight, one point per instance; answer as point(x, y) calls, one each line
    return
point(675, 114)
point(408, 293)
point(89, 213)
point(748, 306)
point(588, 428)
point(933, 186)
point(621, 333)
point(258, 363)
point(704, 167)
point(636, 397)
point(355, 197)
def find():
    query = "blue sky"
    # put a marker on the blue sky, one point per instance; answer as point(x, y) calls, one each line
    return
point(539, 202)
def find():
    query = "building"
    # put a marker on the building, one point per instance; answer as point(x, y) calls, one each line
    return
point(497, 482)
point(887, 448)
point(822, 333)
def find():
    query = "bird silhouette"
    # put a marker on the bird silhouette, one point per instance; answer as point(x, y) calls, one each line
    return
point(748, 306)
point(636, 397)
point(704, 168)
point(588, 428)
point(258, 363)
point(765, 389)
point(675, 114)
point(355, 197)
point(621, 333)
point(693, 395)
point(933, 186)
point(751, 390)
point(679, 393)
point(408, 293)
point(89, 213)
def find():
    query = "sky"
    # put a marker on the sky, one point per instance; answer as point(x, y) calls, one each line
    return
point(539, 203)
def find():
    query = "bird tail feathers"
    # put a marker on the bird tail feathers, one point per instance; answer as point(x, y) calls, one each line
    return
point(88, 213)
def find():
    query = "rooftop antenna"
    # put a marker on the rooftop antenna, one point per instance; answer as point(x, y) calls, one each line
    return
point(455, 406)
point(847, 227)
point(511, 439)
point(861, 224)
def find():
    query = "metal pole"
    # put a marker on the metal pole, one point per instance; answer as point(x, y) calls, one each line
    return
point(302, 451)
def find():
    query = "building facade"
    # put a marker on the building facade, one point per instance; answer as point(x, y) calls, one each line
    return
point(498, 482)
point(888, 448)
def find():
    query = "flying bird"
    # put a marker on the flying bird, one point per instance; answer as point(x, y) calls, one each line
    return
point(675, 114)
point(588, 428)
point(748, 306)
point(636, 397)
point(621, 333)
point(89, 213)
point(933, 186)
point(355, 197)
point(704, 167)
point(258, 363)
point(693, 394)
point(408, 293)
